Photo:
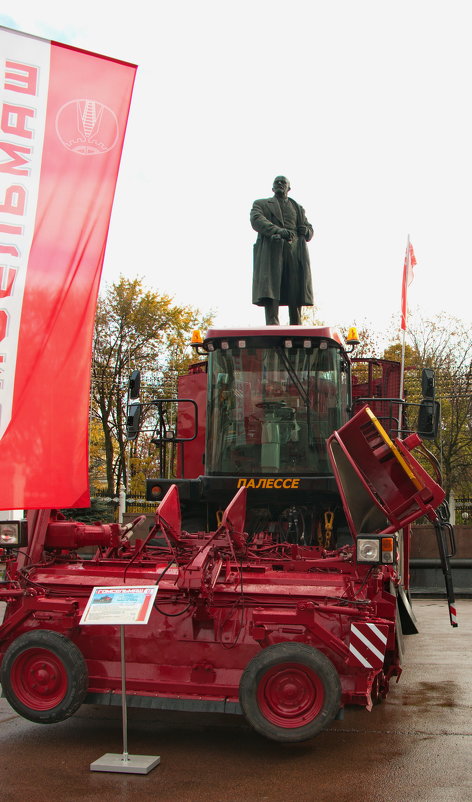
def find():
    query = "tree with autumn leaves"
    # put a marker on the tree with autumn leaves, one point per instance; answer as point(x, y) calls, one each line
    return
point(443, 343)
point(135, 328)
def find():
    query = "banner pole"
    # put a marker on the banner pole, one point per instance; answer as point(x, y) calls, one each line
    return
point(402, 375)
point(402, 368)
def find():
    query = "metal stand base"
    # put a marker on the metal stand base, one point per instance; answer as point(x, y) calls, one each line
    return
point(126, 764)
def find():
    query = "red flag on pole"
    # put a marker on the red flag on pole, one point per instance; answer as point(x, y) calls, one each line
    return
point(410, 262)
point(63, 120)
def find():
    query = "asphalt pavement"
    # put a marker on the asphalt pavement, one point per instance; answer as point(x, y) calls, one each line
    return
point(414, 747)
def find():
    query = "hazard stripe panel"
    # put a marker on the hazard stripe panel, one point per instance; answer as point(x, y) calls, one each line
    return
point(367, 645)
point(453, 615)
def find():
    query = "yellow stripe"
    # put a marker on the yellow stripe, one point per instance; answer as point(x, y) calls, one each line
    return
point(418, 484)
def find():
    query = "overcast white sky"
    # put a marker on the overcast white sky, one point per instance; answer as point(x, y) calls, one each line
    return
point(363, 104)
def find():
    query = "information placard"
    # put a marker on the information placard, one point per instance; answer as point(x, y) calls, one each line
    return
point(120, 605)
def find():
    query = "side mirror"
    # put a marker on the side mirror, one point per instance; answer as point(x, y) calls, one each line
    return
point(133, 420)
point(134, 385)
point(427, 383)
point(428, 419)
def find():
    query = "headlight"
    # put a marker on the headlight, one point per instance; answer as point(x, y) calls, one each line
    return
point(376, 549)
point(368, 550)
point(12, 534)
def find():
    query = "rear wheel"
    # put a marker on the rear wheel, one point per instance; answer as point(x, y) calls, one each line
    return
point(44, 676)
point(289, 692)
point(379, 688)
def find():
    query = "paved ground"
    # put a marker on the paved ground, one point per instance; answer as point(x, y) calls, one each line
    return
point(415, 747)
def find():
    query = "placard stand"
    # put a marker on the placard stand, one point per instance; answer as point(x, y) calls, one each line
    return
point(134, 606)
point(129, 764)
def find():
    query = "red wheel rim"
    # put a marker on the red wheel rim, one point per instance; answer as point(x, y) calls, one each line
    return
point(38, 679)
point(290, 695)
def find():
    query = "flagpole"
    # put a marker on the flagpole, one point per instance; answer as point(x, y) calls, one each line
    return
point(402, 368)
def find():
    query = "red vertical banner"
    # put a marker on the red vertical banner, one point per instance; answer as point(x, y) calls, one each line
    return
point(408, 265)
point(63, 120)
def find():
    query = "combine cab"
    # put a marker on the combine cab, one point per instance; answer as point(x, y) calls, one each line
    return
point(256, 412)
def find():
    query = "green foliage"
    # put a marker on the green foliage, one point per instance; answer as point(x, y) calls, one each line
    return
point(100, 510)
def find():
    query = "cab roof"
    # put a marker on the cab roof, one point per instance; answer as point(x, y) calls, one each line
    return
point(323, 332)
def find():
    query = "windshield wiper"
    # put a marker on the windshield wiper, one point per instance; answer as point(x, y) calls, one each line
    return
point(294, 377)
point(304, 394)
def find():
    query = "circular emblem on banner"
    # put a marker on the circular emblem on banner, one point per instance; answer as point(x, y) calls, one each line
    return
point(87, 127)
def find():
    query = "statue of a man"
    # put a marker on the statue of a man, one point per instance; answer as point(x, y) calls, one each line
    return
point(282, 275)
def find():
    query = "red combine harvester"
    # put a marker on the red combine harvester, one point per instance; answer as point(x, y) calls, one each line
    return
point(280, 551)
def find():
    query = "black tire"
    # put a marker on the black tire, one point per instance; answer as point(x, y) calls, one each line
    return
point(289, 692)
point(44, 676)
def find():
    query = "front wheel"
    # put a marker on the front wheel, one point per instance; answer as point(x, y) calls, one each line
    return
point(289, 692)
point(44, 676)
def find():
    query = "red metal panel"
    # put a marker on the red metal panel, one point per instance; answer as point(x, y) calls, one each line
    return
point(364, 458)
point(192, 385)
point(326, 333)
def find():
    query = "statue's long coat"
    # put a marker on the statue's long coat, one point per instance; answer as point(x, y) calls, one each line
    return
point(266, 219)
